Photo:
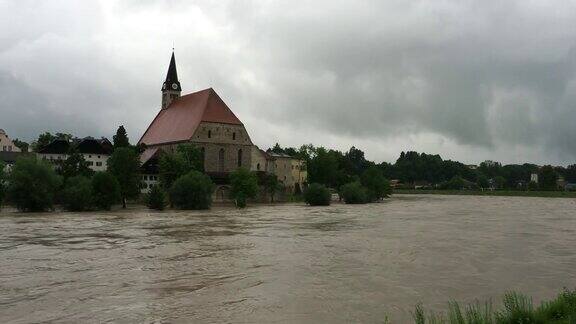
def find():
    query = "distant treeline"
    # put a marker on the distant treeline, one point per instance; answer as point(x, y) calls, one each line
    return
point(334, 168)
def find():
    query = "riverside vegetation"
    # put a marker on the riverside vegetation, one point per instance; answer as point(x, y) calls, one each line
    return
point(517, 309)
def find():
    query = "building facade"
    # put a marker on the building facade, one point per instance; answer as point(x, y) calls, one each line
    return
point(6, 144)
point(95, 151)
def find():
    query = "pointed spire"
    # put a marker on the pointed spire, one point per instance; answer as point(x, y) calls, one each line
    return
point(171, 82)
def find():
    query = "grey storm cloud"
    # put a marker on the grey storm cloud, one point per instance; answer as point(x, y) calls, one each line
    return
point(470, 80)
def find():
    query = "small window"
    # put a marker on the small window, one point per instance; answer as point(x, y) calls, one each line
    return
point(4, 148)
point(90, 156)
point(239, 157)
point(145, 177)
point(98, 163)
point(233, 136)
point(258, 166)
point(98, 156)
point(209, 134)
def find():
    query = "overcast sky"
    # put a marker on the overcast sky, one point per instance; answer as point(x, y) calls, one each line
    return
point(469, 80)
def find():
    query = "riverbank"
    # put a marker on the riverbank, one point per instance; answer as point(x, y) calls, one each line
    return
point(499, 193)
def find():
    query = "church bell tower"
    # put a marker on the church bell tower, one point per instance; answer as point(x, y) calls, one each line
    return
point(171, 88)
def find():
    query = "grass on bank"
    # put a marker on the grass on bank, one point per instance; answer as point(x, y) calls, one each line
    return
point(502, 193)
point(517, 309)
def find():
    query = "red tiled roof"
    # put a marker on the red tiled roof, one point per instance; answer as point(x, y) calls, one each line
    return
point(179, 121)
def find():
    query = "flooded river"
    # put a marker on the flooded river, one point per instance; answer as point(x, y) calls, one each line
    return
point(283, 264)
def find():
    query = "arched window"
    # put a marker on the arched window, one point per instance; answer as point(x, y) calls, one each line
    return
point(221, 160)
point(239, 157)
point(209, 134)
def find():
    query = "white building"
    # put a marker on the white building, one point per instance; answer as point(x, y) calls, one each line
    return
point(95, 151)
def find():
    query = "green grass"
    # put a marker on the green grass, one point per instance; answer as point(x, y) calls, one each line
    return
point(510, 193)
point(516, 309)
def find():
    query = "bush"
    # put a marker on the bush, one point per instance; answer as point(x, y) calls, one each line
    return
point(32, 185)
point(317, 195)
point(377, 187)
point(192, 191)
point(244, 185)
point(532, 186)
point(105, 190)
point(156, 198)
point(77, 194)
point(354, 193)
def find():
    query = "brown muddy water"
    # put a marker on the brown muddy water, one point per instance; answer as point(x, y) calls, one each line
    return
point(285, 263)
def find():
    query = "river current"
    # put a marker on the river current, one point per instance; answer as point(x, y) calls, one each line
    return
point(283, 263)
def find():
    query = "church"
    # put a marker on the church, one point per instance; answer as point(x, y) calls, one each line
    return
point(202, 118)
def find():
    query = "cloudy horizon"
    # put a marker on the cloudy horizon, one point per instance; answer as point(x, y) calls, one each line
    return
point(469, 80)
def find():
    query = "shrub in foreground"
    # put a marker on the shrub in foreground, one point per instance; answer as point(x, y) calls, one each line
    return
point(105, 190)
point(377, 186)
point(32, 185)
point(192, 191)
point(77, 194)
point(156, 198)
point(317, 195)
point(517, 309)
point(354, 193)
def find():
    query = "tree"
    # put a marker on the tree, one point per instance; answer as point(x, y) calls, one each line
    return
point(317, 195)
point(499, 182)
point(323, 167)
point(244, 186)
point(75, 165)
point(192, 191)
point(482, 181)
point(272, 185)
point(547, 178)
point(77, 193)
point(354, 193)
point(105, 190)
point(2, 182)
point(23, 146)
point(32, 185)
point(571, 173)
point(532, 186)
point(156, 198)
point(377, 187)
point(43, 140)
point(124, 164)
point(174, 165)
point(121, 138)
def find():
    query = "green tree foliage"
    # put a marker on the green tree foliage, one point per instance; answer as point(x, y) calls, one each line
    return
point(192, 191)
point(75, 165)
point(121, 138)
point(124, 164)
point(532, 186)
point(47, 138)
point(2, 182)
point(105, 190)
point(482, 181)
point(172, 166)
point(271, 185)
point(570, 175)
point(77, 193)
point(547, 178)
point(317, 195)
point(156, 198)
point(377, 187)
point(23, 146)
point(499, 182)
point(244, 185)
point(354, 193)
point(32, 185)
point(323, 167)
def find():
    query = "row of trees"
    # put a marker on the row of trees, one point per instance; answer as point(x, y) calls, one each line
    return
point(334, 168)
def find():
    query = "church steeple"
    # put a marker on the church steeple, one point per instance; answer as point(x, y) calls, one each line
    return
point(171, 87)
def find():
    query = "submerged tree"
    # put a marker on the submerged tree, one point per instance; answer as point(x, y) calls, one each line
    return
point(105, 190)
point(192, 191)
point(156, 198)
point(244, 185)
point(124, 164)
point(32, 185)
point(77, 193)
point(317, 195)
